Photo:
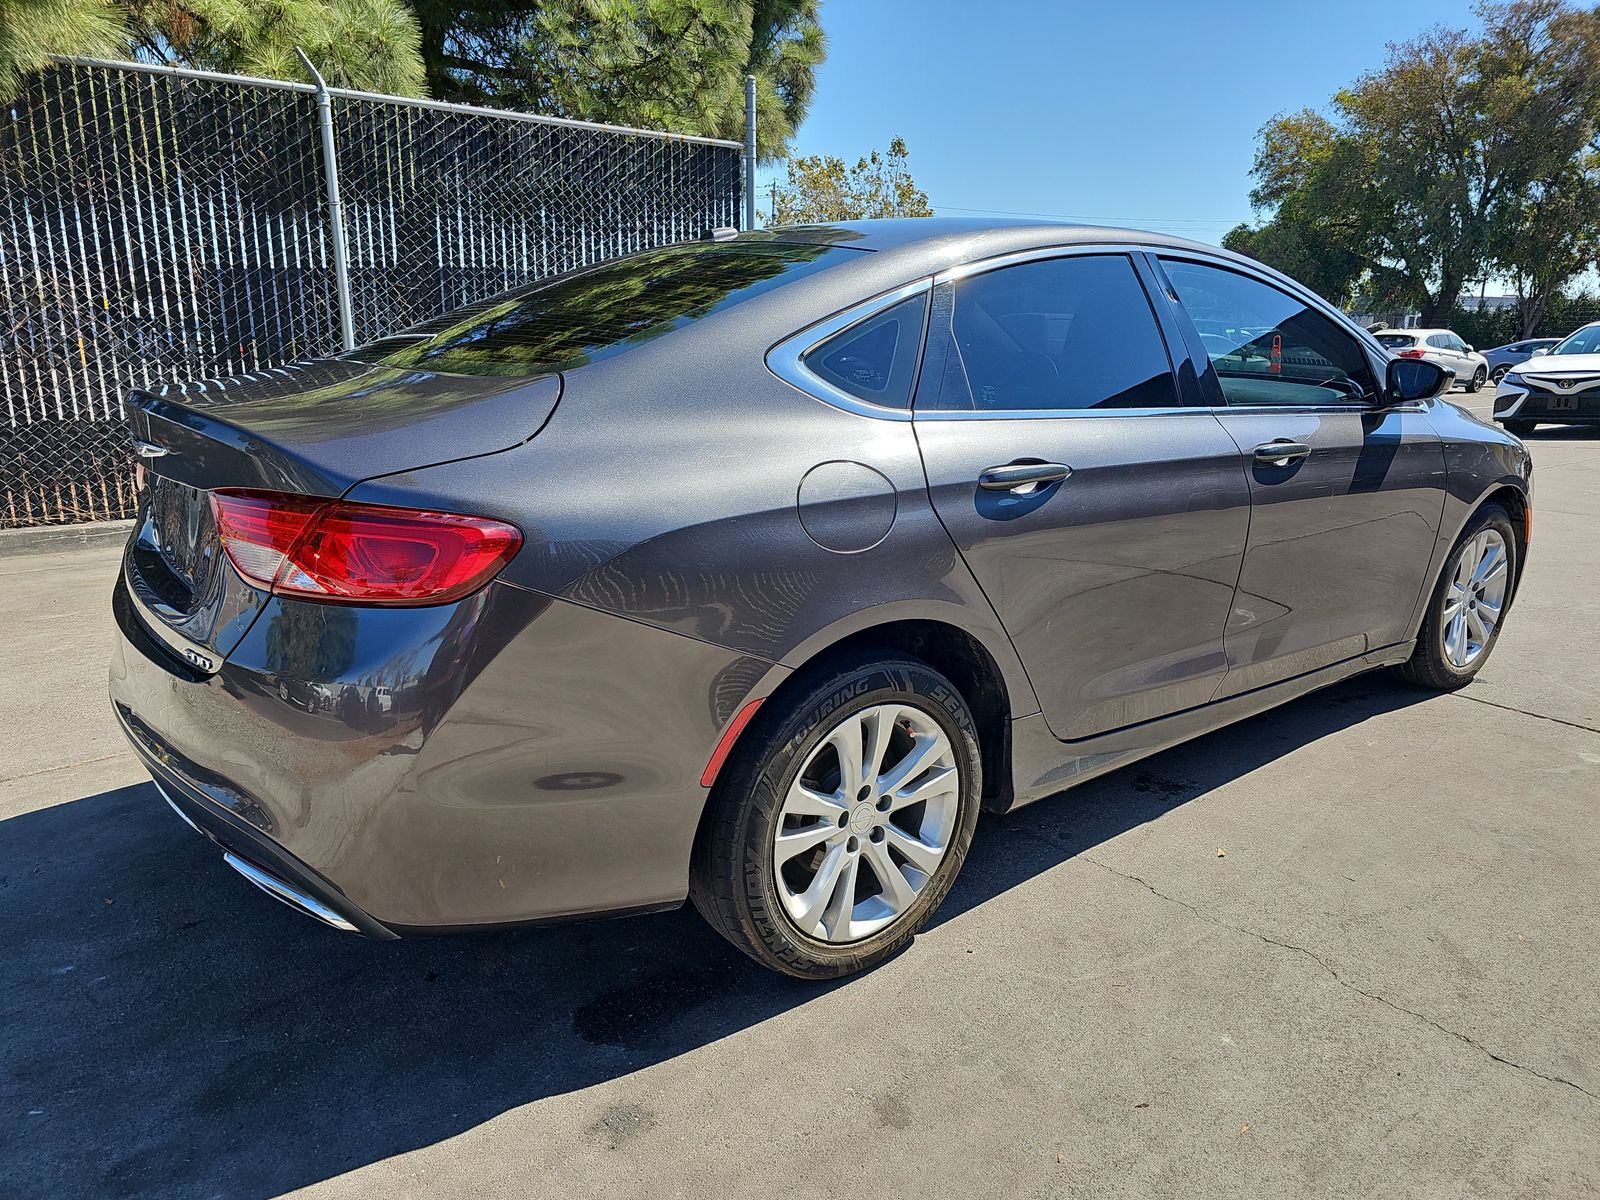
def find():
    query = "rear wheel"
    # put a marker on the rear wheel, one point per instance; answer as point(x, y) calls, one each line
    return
point(1519, 428)
point(1478, 378)
point(1468, 605)
point(839, 828)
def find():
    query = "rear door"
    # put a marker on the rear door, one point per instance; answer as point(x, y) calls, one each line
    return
point(1105, 520)
point(1347, 494)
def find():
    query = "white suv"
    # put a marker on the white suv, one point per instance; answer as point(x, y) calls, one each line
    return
point(1438, 346)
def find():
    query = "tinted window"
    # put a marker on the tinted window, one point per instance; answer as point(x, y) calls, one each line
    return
point(1584, 341)
point(875, 360)
point(1396, 341)
point(1266, 346)
point(1438, 342)
point(1063, 333)
point(581, 318)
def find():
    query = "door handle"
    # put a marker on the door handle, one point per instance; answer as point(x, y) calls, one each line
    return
point(1281, 452)
point(1020, 476)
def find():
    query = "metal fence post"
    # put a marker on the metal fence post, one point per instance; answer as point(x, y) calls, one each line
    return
point(749, 151)
point(330, 163)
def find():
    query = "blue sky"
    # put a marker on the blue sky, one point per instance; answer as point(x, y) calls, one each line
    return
point(1126, 112)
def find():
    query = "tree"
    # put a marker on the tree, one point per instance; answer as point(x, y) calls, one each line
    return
point(1421, 178)
point(367, 44)
point(821, 188)
point(660, 64)
point(33, 30)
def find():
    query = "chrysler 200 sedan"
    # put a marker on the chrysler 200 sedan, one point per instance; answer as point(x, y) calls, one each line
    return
point(751, 570)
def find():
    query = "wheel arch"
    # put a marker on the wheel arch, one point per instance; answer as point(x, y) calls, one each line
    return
point(954, 650)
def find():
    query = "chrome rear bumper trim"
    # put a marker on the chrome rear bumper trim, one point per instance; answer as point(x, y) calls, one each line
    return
point(279, 890)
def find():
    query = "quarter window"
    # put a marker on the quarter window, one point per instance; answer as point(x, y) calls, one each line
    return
point(1063, 333)
point(874, 360)
point(1266, 346)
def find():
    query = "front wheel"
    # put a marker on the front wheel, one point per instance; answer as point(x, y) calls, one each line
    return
point(1468, 605)
point(1478, 379)
point(1500, 373)
point(839, 828)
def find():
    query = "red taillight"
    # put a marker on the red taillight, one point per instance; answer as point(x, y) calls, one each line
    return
point(1412, 353)
point(358, 553)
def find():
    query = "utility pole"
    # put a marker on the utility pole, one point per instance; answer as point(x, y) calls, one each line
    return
point(749, 151)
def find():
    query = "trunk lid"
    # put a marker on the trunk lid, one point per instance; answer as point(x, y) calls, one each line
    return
point(315, 429)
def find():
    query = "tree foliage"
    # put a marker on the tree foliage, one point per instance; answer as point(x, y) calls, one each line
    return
point(821, 188)
point(1460, 156)
point(659, 64)
point(32, 30)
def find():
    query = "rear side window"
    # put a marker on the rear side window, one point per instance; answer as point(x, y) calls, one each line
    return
point(1266, 346)
point(584, 317)
point(1062, 333)
point(875, 360)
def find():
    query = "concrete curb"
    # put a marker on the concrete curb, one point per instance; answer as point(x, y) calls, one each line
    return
point(45, 538)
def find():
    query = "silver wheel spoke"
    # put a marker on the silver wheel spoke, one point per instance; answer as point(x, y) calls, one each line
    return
point(920, 757)
point(939, 782)
point(843, 904)
point(798, 841)
point(846, 742)
point(880, 726)
point(807, 908)
point(1479, 630)
point(897, 890)
point(921, 855)
point(808, 802)
point(1489, 612)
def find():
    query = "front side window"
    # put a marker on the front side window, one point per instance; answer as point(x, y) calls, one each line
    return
point(581, 318)
point(1075, 332)
point(1266, 346)
point(874, 360)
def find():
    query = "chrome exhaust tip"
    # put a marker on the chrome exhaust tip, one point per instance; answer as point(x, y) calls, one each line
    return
point(279, 890)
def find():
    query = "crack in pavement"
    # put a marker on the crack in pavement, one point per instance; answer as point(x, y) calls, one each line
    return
point(1328, 967)
point(1525, 712)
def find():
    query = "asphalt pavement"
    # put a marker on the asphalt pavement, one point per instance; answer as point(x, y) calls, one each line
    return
point(1348, 948)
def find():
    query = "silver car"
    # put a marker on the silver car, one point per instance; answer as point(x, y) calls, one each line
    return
point(1440, 346)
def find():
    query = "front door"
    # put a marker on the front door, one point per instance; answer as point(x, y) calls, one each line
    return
point(1347, 495)
point(1105, 521)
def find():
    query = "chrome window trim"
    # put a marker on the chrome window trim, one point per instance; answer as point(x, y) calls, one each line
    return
point(786, 360)
point(982, 266)
point(1056, 414)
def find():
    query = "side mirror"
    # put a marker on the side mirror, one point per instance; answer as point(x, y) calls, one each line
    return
point(1541, 350)
point(1416, 379)
point(1469, 349)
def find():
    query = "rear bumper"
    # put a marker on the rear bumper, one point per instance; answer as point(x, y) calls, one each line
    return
point(507, 759)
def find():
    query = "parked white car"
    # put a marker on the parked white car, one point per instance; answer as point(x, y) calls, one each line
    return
point(1439, 346)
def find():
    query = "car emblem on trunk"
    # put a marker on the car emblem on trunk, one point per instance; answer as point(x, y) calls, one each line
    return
point(146, 449)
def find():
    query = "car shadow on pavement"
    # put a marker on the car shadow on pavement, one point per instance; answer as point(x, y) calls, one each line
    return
point(170, 1031)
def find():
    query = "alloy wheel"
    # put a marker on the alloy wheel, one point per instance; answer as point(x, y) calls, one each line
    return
point(866, 822)
point(1475, 598)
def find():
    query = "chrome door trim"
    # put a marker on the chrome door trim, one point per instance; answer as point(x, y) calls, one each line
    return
point(786, 360)
point(982, 266)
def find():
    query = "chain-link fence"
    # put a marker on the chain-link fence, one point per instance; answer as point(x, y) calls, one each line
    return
point(161, 225)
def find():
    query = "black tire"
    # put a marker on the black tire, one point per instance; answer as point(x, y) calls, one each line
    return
point(1479, 377)
point(1428, 665)
point(1519, 428)
point(734, 881)
point(1500, 373)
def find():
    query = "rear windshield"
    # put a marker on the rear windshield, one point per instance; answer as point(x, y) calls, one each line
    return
point(1395, 341)
point(565, 323)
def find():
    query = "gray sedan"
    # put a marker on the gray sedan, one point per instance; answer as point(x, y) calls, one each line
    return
point(1502, 358)
point(750, 570)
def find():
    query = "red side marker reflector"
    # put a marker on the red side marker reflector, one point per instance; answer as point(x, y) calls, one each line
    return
point(729, 736)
